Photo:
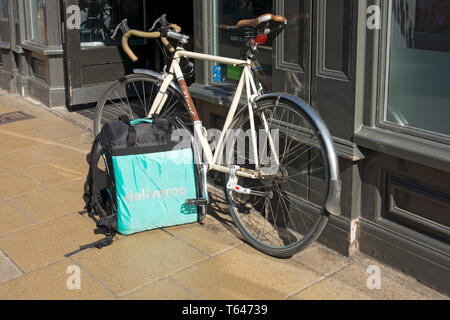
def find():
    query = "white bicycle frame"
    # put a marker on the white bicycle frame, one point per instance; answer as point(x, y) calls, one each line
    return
point(247, 82)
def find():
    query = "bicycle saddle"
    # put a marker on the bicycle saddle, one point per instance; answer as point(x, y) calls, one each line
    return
point(268, 17)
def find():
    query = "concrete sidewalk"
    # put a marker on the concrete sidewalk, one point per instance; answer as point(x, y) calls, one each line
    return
point(42, 173)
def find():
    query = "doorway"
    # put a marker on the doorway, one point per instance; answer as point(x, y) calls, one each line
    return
point(93, 60)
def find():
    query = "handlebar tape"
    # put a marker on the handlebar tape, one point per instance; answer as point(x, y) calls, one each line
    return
point(136, 33)
point(149, 35)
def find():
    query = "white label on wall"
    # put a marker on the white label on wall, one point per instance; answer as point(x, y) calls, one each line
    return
point(374, 20)
point(73, 17)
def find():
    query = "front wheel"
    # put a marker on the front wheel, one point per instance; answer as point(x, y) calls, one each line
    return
point(133, 96)
point(295, 214)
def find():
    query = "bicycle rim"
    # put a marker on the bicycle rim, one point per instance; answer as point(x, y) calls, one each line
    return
point(133, 96)
point(295, 215)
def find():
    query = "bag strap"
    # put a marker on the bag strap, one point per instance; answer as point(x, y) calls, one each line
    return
point(132, 135)
point(97, 244)
point(91, 194)
point(95, 154)
point(91, 198)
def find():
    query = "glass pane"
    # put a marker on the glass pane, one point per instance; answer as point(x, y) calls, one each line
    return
point(419, 65)
point(295, 32)
point(99, 18)
point(233, 43)
point(5, 13)
point(37, 15)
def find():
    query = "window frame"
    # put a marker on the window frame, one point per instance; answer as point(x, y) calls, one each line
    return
point(384, 54)
point(409, 144)
point(2, 17)
point(29, 23)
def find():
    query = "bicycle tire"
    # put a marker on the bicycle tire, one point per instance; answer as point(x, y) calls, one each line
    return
point(118, 100)
point(252, 230)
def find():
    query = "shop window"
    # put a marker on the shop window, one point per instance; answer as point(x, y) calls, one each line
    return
point(37, 16)
point(4, 10)
point(418, 94)
point(99, 18)
point(233, 43)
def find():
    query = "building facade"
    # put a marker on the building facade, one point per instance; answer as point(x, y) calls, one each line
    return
point(377, 72)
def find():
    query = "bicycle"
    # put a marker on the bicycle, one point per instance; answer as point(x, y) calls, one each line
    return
point(280, 201)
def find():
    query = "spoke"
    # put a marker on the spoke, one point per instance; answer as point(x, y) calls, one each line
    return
point(145, 102)
point(275, 222)
point(299, 146)
point(303, 172)
point(284, 218)
point(293, 224)
point(279, 128)
point(150, 98)
point(310, 161)
point(129, 108)
point(126, 97)
point(293, 160)
point(307, 188)
point(135, 89)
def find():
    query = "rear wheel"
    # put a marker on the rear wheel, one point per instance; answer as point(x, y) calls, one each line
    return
point(295, 215)
point(133, 96)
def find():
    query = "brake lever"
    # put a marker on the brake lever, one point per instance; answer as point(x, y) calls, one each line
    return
point(161, 20)
point(123, 26)
point(154, 25)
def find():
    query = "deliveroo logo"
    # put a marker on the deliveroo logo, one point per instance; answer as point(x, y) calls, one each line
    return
point(148, 194)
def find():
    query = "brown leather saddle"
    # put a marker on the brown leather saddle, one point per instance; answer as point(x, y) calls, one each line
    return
point(262, 20)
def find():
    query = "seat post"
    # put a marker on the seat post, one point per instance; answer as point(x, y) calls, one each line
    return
point(253, 51)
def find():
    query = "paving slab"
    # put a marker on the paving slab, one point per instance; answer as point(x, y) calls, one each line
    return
point(48, 242)
point(50, 174)
point(135, 261)
point(15, 184)
point(321, 259)
point(357, 277)
point(244, 273)
point(51, 283)
point(10, 142)
point(12, 218)
point(165, 289)
point(210, 237)
point(20, 160)
point(53, 202)
point(8, 270)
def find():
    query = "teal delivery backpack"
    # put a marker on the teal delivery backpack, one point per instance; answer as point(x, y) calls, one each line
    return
point(153, 176)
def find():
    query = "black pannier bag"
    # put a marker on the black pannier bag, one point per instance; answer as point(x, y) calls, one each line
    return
point(154, 177)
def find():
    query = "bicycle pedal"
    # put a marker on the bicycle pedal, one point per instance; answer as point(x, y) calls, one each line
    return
point(196, 202)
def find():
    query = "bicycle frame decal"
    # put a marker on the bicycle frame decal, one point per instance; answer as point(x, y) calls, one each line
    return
point(246, 81)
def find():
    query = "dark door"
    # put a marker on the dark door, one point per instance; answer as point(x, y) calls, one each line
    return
point(333, 62)
point(92, 58)
point(315, 59)
point(292, 61)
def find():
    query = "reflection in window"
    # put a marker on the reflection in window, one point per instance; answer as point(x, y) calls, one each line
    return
point(419, 65)
point(4, 10)
point(100, 17)
point(234, 44)
point(295, 32)
point(37, 15)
